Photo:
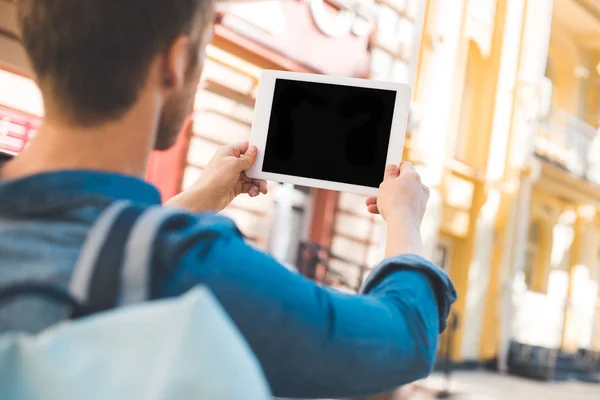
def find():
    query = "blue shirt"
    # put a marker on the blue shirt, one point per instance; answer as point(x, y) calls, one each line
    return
point(311, 341)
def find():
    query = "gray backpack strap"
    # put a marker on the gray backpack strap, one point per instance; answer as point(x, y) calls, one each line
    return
point(86, 263)
point(137, 264)
point(97, 277)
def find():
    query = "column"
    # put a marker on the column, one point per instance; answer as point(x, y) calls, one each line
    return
point(461, 275)
point(512, 260)
point(503, 211)
point(523, 65)
point(431, 141)
point(541, 268)
point(533, 58)
point(582, 293)
point(503, 229)
point(478, 267)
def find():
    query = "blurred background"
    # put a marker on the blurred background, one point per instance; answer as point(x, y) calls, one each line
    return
point(503, 127)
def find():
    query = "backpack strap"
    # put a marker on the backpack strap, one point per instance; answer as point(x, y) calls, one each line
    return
point(42, 291)
point(96, 280)
point(115, 266)
point(138, 260)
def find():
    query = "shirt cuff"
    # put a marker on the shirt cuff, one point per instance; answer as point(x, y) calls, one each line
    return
point(440, 281)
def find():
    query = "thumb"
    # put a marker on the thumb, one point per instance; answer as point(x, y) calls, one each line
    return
point(248, 159)
point(392, 171)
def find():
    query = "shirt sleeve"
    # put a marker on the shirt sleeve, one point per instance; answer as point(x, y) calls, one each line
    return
point(313, 341)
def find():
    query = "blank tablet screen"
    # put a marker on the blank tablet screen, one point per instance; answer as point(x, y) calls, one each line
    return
point(329, 132)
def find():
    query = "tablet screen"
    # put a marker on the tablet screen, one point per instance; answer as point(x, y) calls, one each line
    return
point(329, 132)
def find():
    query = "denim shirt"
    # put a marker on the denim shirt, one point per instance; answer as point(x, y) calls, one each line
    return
point(311, 341)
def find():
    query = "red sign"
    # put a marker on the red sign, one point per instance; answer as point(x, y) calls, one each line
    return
point(16, 130)
point(314, 34)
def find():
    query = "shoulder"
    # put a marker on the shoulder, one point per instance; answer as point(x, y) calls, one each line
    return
point(177, 232)
point(173, 224)
point(189, 249)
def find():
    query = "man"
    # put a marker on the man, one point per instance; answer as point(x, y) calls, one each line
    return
point(118, 78)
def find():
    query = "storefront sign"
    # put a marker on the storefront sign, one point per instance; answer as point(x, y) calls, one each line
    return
point(316, 34)
point(354, 17)
point(16, 130)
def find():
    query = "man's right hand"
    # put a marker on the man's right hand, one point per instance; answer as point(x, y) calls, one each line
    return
point(402, 202)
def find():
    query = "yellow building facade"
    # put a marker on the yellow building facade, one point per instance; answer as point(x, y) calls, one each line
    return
point(508, 94)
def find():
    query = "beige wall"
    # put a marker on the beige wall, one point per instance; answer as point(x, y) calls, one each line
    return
point(563, 59)
point(12, 56)
point(16, 91)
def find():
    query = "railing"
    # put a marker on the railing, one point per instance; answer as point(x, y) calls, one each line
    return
point(321, 265)
point(444, 361)
point(596, 332)
point(570, 143)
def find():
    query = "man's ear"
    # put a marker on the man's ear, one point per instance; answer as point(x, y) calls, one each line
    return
point(176, 63)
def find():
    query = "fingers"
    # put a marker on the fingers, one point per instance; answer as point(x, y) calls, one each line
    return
point(373, 209)
point(248, 158)
point(259, 183)
point(427, 191)
point(391, 171)
point(251, 189)
point(235, 150)
point(371, 203)
point(244, 154)
point(407, 168)
point(262, 186)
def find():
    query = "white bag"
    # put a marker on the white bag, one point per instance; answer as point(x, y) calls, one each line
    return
point(184, 348)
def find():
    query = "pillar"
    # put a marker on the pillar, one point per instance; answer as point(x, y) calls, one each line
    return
point(463, 250)
point(581, 296)
point(523, 66)
point(512, 261)
point(431, 141)
point(496, 169)
point(489, 329)
point(479, 264)
point(541, 267)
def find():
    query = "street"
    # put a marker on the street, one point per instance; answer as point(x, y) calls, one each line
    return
point(492, 386)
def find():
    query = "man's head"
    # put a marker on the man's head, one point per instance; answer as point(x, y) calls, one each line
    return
point(93, 58)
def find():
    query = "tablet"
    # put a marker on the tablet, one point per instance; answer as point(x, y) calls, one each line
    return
point(328, 132)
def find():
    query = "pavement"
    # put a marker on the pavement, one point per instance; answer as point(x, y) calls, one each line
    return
point(479, 385)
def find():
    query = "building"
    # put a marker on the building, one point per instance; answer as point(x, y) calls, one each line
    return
point(509, 90)
point(560, 269)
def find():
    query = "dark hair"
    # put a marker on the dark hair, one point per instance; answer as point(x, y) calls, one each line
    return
point(93, 56)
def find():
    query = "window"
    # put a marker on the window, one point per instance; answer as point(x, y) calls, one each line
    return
point(441, 256)
point(531, 251)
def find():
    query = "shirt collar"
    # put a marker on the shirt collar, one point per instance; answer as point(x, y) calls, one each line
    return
point(61, 187)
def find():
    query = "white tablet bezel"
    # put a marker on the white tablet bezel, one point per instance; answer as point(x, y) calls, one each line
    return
point(262, 116)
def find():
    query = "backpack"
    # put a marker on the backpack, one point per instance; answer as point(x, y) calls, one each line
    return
point(181, 348)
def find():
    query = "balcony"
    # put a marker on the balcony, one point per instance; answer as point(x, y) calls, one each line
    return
point(319, 264)
point(570, 143)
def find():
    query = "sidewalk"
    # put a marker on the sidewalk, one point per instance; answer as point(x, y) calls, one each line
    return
point(477, 385)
